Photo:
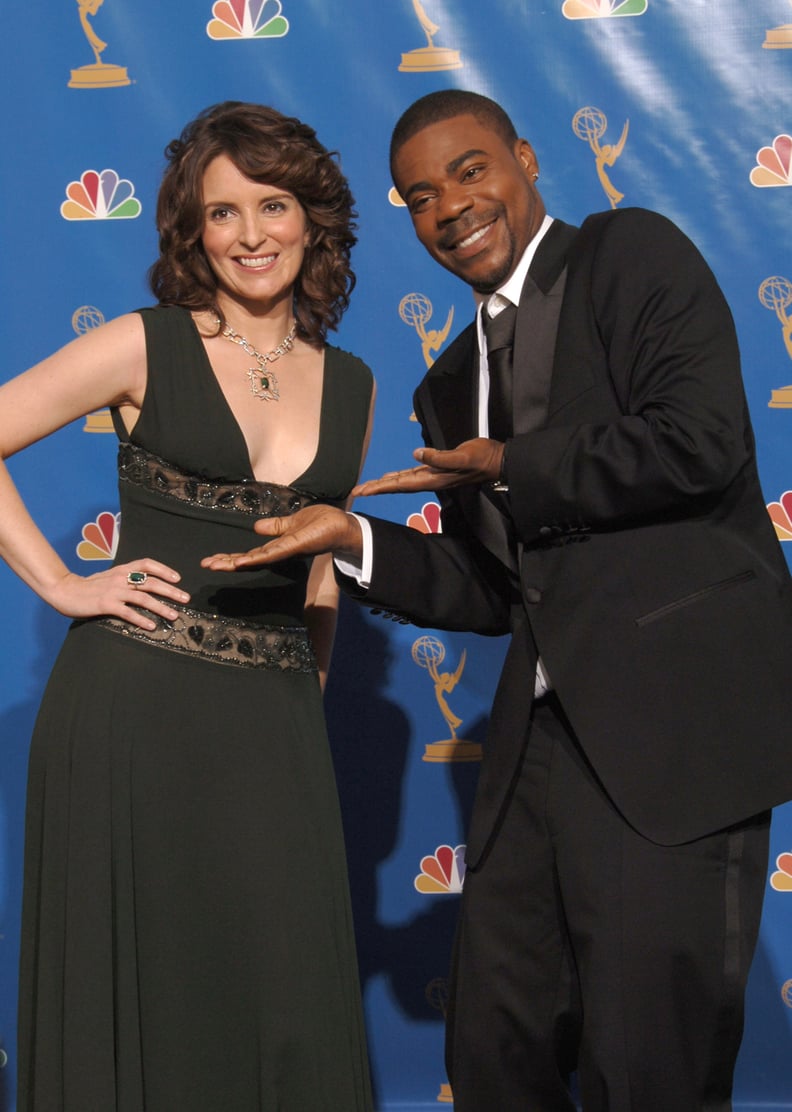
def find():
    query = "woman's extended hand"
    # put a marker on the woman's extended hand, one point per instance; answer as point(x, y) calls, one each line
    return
point(474, 461)
point(309, 532)
point(115, 592)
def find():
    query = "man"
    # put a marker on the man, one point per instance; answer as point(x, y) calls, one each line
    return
point(617, 854)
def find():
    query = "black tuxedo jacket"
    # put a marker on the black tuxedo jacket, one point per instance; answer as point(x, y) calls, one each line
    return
point(635, 553)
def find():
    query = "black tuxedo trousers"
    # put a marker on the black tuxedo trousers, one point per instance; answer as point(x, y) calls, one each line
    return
point(583, 948)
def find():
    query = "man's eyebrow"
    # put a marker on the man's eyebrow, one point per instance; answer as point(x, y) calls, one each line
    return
point(455, 164)
point(451, 168)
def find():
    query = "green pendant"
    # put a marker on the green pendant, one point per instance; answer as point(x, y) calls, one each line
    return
point(263, 384)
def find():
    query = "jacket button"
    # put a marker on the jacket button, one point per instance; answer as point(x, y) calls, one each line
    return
point(532, 595)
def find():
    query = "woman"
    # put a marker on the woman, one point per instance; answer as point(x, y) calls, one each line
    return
point(187, 942)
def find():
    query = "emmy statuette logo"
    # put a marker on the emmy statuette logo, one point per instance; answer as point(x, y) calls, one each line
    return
point(99, 74)
point(415, 309)
point(83, 320)
point(589, 124)
point(776, 293)
point(430, 57)
point(779, 38)
point(429, 653)
point(436, 994)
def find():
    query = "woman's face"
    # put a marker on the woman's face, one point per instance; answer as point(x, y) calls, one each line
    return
point(254, 236)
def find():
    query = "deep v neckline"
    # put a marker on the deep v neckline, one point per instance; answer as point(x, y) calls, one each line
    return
point(242, 443)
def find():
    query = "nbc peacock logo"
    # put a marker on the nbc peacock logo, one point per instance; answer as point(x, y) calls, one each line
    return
point(773, 164)
point(101, 195)
point(100, 537)
point(442, 872)
point(428, 519)
point(247, 19)
point(602, 9)
point(781, 516)
point(781, 879)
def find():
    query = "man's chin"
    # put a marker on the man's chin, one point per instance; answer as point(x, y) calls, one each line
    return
point(486, 279)
point(483, 276)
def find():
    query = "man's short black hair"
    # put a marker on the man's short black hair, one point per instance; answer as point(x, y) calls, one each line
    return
point(445, 105)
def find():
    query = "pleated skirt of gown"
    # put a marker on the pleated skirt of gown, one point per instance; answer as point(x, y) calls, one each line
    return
point(187, 937)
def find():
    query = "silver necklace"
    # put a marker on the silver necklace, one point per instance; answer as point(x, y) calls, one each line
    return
point(263, 382)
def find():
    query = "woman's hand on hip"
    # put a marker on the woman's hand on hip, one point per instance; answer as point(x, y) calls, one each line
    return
point(118, 591)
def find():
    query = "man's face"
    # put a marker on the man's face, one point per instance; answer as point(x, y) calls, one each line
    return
point(472, 198)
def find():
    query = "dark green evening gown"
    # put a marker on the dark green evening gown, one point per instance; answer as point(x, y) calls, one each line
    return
point(187, 938)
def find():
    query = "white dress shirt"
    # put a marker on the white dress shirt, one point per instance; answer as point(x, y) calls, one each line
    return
point(507, 294)
point(493, 303)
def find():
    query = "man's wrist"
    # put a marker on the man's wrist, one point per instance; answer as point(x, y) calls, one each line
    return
point(352, 549)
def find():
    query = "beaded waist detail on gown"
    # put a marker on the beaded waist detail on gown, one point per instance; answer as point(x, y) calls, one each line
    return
point(225, 640)
point(222, 638)
point(248, 496)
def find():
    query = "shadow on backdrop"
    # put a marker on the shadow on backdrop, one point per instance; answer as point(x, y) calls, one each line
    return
point(370, 740)
point(16, 727)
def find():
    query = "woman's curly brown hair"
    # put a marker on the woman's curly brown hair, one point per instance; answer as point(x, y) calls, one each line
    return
point(270, 148)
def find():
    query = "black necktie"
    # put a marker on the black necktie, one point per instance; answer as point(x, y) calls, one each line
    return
point(499, 333)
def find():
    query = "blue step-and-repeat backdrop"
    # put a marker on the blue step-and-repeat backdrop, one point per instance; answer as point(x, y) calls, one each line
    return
point(683, 106)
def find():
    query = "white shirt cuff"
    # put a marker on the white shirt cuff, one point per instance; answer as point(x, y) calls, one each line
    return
point(542, 683)
point(360, 572)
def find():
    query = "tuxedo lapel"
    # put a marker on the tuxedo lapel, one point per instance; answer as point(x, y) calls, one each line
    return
point(551, 254)
point(448, 396)
point(447, 400)
point(447, 403)
point(534, 343)
point(537, 327)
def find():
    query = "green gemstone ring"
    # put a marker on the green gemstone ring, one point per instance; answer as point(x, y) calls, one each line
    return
point(136, 578)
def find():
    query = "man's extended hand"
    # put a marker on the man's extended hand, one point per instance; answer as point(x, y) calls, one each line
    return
point(474, 461)
point(309, 532)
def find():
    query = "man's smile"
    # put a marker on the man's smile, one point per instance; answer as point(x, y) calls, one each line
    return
point(469, 238)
